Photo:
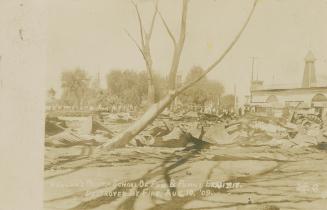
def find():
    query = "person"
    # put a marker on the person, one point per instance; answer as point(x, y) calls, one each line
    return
point(240, 111)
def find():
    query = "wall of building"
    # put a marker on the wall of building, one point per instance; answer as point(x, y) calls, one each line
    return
point(283, 97)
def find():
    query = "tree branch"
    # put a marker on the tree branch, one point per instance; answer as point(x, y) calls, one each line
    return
point(178, 48)
point(183, 24)
point(135, 42)
point(167, 29)
point(231, 45)
point(152, 21)
point(140, 22)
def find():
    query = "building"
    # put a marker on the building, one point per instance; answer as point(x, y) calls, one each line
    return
point(310, 95)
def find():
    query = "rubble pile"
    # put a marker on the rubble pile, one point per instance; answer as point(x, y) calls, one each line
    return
point(184, 129)
point(193, 127)
point(108, 118)
point(61, 132)
point(251, 151)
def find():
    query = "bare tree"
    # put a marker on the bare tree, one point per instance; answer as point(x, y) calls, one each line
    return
point(144, 49)
point(178, 45)
point(150, 115)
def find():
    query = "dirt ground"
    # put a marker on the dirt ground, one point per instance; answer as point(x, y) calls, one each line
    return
point(228, 177)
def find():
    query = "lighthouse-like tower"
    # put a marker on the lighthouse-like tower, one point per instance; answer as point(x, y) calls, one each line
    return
point(309, 75)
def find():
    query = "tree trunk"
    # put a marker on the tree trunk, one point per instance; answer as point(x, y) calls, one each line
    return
point(148, 117)
point(151, 93)
point(144, 48)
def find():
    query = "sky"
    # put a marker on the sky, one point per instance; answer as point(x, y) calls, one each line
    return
point(90, 34)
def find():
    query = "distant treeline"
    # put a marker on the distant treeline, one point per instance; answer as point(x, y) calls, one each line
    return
point(130, 88)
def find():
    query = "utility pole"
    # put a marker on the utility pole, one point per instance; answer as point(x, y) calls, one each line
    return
point(0, 72)
point(235, 99)
point(252, 76)
point(273, 78)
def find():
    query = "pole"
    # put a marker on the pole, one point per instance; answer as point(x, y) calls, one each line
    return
point(0, 72)
point(252, 76)
point(235, 101)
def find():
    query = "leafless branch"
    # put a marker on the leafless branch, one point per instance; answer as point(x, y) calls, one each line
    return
point(135, 42)
point(183, 23)
point(153, 20)
point(231, 45)
point(178, 47)
point(167, 28)
point(140, 22)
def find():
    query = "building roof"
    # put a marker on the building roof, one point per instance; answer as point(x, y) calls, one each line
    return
point(290, 89)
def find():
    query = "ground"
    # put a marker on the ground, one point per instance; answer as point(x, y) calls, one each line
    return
point(227, 177)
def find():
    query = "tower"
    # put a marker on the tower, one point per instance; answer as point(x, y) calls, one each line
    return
point(309, 75)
